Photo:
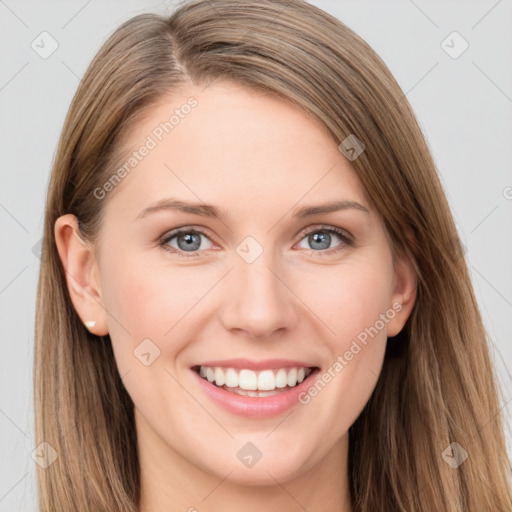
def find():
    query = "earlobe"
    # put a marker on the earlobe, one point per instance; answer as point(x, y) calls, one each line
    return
point(82, 276)
point(404, 295)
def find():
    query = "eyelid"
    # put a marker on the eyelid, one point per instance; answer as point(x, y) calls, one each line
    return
point(347, 240)
point(324, 227)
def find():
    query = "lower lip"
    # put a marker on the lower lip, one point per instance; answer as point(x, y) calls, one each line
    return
point(255, 407)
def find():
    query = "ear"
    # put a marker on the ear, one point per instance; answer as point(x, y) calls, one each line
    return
point(404, 294)
point(82, 274)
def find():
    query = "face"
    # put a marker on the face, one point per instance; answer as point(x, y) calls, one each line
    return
point(285, 309)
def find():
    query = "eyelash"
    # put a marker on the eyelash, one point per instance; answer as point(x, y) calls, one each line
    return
point(346, 240)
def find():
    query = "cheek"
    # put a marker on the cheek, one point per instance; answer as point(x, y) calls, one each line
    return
point(146, 300)
point(349, 299)
point(137, 297)
point(355, 298)
point(159, 303)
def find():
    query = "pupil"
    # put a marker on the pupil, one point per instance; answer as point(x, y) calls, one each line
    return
point(192, 241)
point(321, 237)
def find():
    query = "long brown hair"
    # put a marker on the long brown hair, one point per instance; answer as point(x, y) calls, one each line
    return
point(437, 384)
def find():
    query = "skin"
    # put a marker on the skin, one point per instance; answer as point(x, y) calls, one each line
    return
point(257, 158)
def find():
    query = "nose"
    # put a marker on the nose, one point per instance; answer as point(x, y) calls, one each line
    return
point(258, 301)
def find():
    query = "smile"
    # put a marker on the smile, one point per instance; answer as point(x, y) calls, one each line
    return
point(254, 390)
point(254, 383)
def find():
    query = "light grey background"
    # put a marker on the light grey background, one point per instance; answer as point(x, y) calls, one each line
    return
point(463, 104)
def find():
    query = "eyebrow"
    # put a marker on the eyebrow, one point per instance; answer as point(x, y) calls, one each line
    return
point(208, 210)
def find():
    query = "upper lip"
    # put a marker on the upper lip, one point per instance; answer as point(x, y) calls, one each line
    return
point(267, 364)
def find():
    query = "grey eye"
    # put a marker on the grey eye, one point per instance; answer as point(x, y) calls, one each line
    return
point(187, 241)
point(320, 239)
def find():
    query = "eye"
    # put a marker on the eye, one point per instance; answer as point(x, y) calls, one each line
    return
point(320, 238)
point(187, 241)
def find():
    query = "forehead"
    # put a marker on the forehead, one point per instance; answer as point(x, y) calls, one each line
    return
point(235, 147)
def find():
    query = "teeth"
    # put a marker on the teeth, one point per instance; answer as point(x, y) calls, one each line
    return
point(281, 378)
point(247, 379)
point(252, 382)
point(266, 380)
point(292, 377)
point(220, 379)
point(231, 378)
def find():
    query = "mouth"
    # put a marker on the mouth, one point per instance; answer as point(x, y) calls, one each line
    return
point(254, 389)
point(254, 383)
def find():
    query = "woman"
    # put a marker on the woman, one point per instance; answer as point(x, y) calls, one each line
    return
point(252, 291)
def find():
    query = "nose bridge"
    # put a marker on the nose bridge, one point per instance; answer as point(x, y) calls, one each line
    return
point(258, 302)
